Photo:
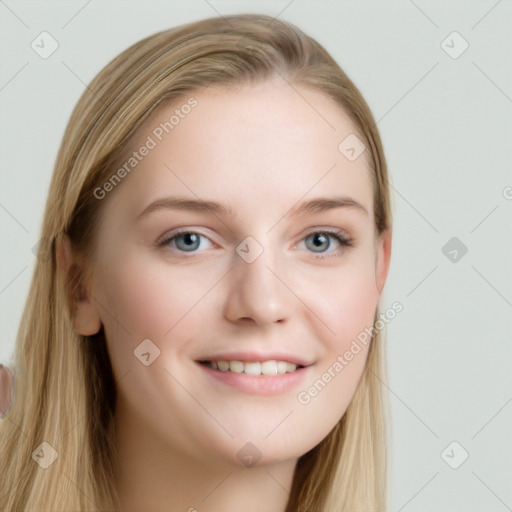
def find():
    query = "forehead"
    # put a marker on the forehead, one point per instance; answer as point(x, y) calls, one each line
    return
point(266, 144)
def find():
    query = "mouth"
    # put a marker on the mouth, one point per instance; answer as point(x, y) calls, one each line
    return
point(267, 368)
point(257, 374)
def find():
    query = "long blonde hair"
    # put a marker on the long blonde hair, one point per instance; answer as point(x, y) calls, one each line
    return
point(65, 388)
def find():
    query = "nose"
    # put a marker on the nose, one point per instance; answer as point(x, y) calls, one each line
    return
point(258, 292)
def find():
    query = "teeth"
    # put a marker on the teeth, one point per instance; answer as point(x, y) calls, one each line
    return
point(221, 365)
point(236, 366)
point(269, 368)
point(253, 367)
point(281, 367)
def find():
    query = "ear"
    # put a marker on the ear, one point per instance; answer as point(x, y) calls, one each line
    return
point(86, 319)
point(383, 257)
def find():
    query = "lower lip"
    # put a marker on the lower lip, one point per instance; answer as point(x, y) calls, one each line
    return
point(266, 385)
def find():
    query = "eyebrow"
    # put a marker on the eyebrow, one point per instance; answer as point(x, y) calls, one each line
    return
point(181, 203)
point(322, 204)
point(319, 204)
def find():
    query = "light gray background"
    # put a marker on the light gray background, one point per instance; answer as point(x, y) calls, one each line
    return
point(446, 125)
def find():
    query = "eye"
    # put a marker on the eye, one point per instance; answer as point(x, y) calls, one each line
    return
point(185, 241)
point(321, 241)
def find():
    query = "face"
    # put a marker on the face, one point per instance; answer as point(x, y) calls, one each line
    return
point(253, 280)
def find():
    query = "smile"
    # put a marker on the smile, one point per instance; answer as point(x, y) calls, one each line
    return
point(267, 368)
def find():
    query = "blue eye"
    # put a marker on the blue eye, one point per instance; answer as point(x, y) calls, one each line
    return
point(186, 241)
point(190, 241)
point(321, 242)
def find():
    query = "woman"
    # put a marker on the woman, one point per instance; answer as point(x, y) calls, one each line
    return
point(203, 336)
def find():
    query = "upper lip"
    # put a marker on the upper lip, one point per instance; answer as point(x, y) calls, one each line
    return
point(256, 356)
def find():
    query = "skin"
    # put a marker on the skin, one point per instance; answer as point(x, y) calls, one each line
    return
point(262, 149)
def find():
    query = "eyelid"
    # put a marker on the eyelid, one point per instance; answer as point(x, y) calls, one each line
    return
point(330, 230)
point(344, 239)
point(167, 237)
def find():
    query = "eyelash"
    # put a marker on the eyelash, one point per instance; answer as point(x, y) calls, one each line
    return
point(339, 235)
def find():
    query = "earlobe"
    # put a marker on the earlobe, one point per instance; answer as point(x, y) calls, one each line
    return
point(86, 319)
point(383, 259)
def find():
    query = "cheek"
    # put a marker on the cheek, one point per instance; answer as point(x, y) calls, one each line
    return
point(346, 306)
point(148, 298)
point(345, 302)
point(142, 300)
